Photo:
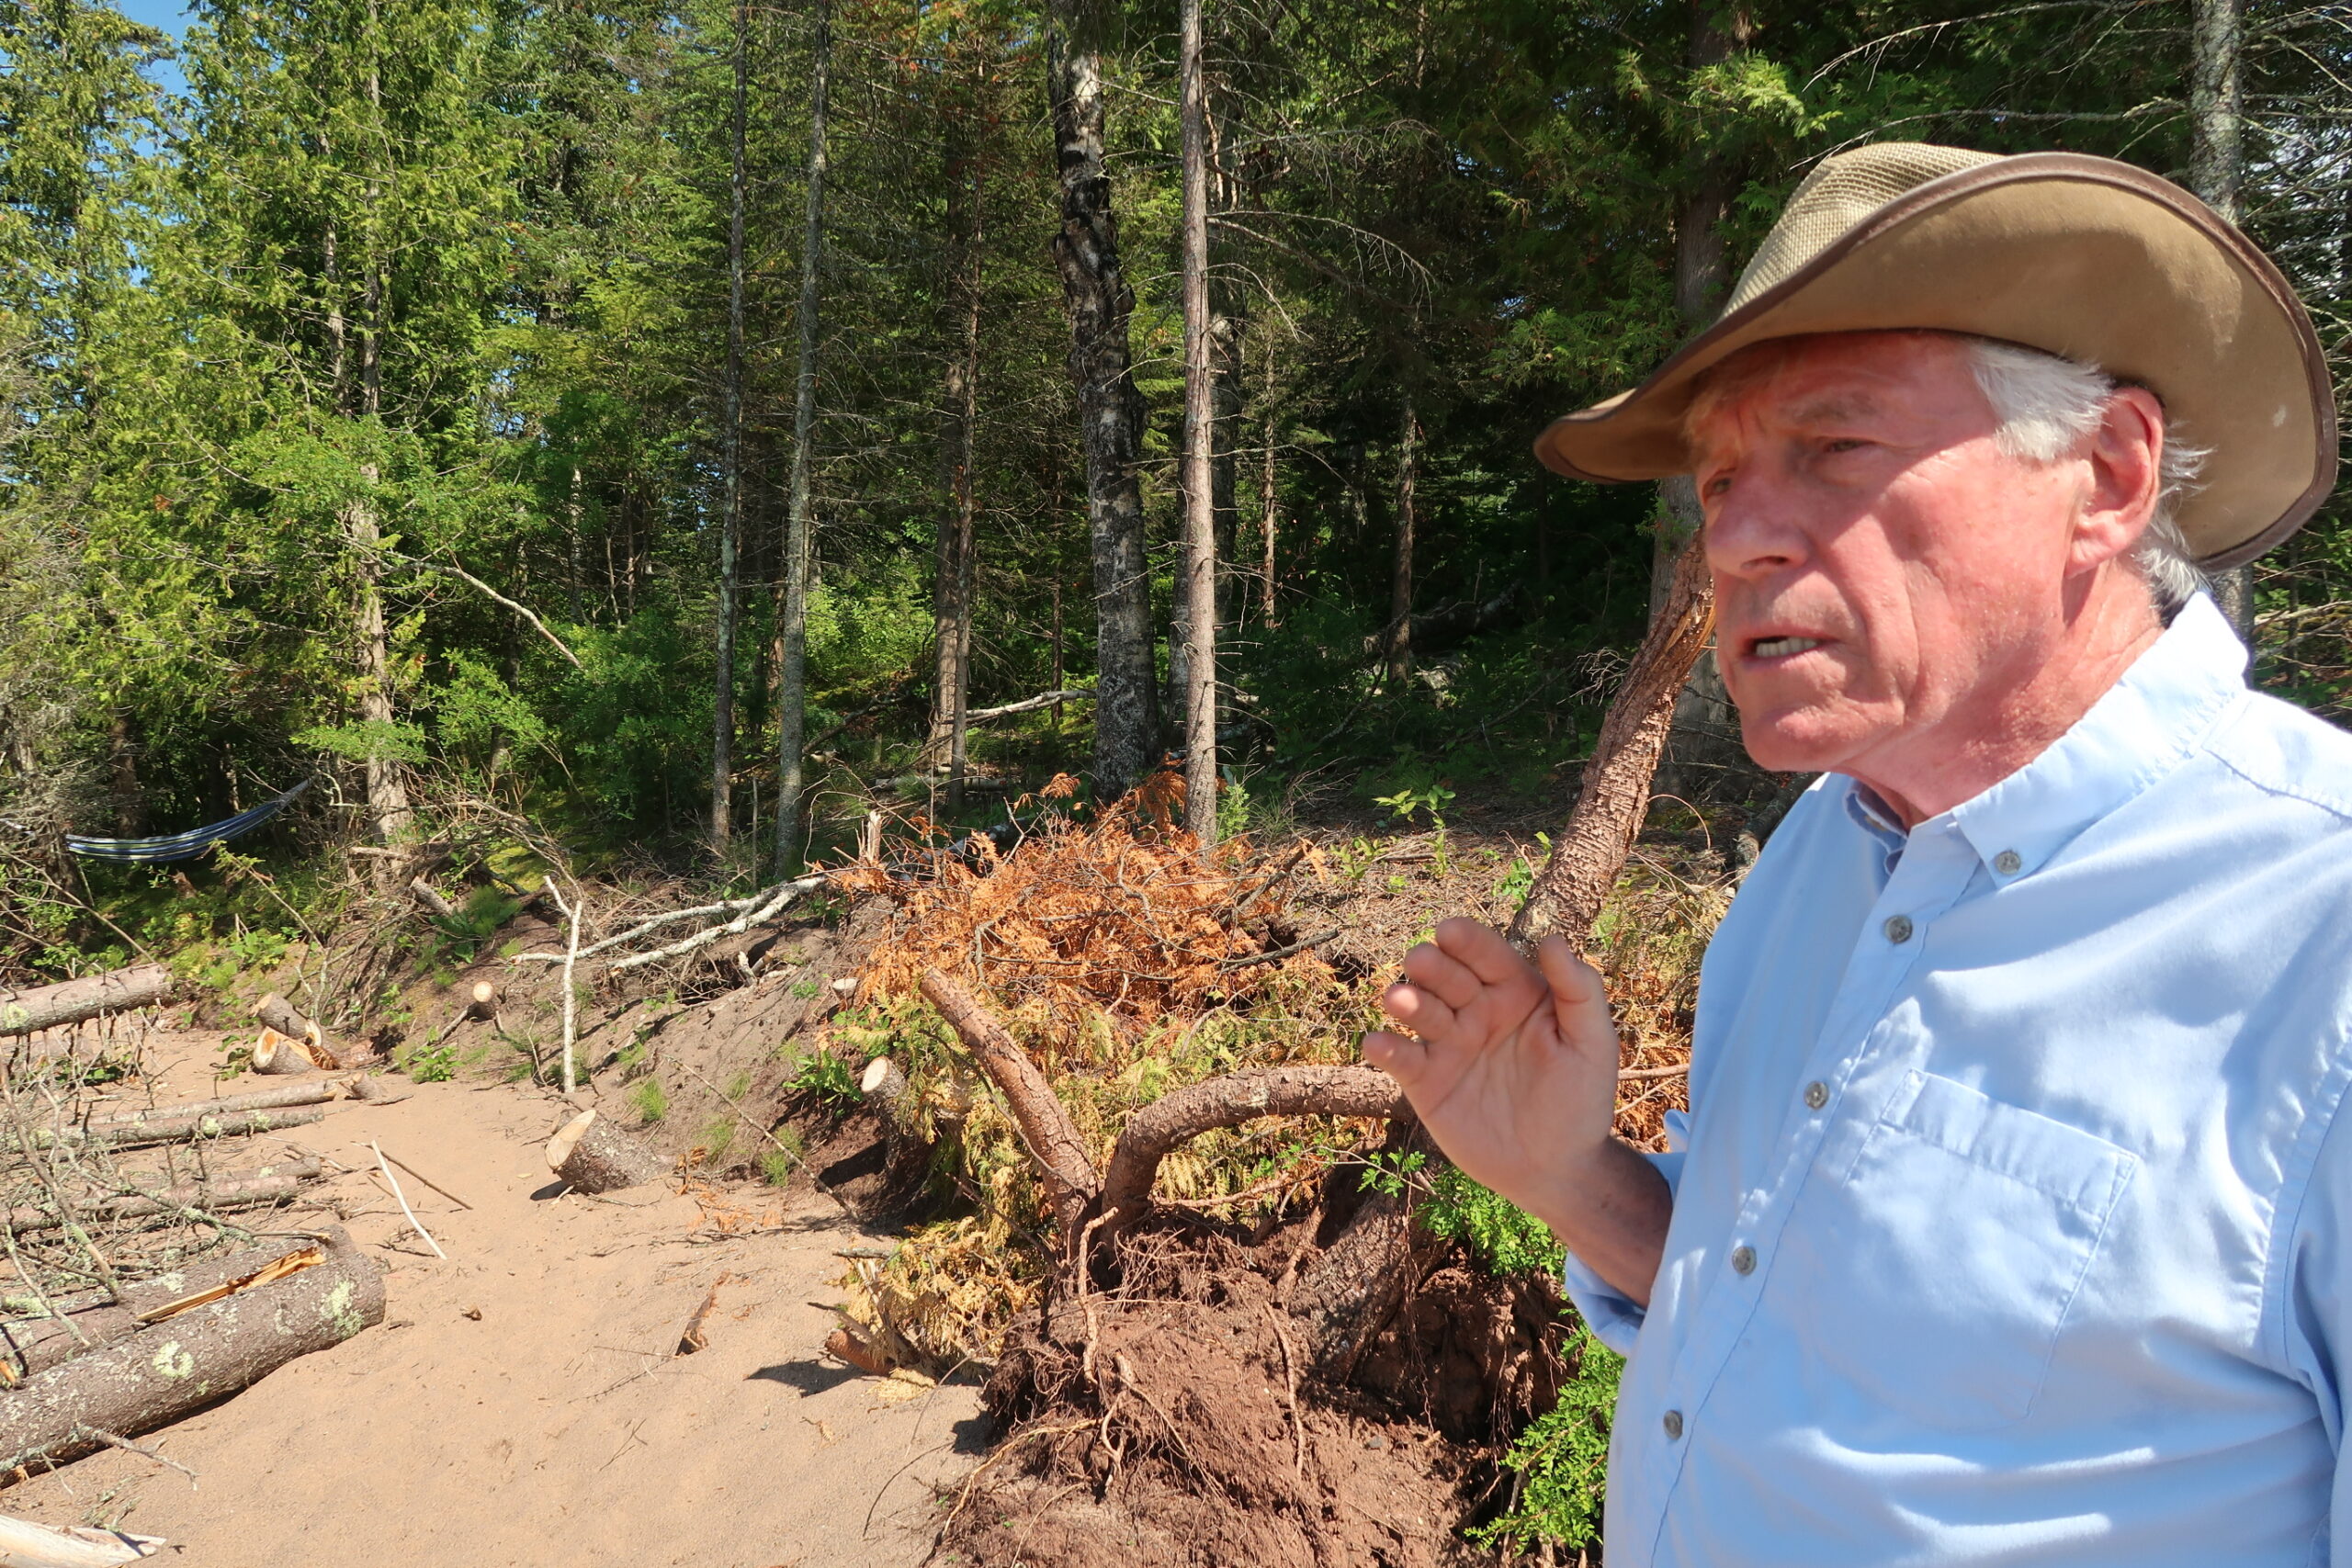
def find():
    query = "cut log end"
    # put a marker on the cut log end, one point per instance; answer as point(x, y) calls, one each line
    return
point(593, 1155)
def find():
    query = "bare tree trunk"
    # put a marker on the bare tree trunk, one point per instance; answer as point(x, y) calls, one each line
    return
point(792, 635)
point(730, 533)
point(2217, 173)
point(1200, 435)
point(1269, 499)
point(1613, 795)
point(1400, 571)
point(952, 593)
point(1110, 410)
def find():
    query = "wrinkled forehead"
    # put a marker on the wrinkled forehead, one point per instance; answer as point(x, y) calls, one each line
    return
point(1829, 375)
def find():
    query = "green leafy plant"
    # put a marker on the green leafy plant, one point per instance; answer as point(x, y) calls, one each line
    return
point(827, 1079)
point(1562, 1459)
point(433, 1063)
point(777, 1164)
point(652, 1101)
point(1507, 1239)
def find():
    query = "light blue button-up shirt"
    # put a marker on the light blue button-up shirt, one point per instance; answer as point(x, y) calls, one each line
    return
point(2011, 1226)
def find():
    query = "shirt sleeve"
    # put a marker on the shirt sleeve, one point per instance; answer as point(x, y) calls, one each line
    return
point(1616, 1319)
point(2318, 1310)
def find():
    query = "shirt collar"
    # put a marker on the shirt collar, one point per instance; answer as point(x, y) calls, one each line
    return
point(2144, 726)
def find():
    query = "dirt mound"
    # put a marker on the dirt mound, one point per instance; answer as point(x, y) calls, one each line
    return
point(1177, 1420)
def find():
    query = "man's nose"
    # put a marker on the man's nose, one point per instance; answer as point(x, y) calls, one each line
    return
point(1751, 528)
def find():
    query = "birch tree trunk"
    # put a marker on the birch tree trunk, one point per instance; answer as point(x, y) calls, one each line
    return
point(952, 589)
point(2217, 173)
point(792, 637)
point(1269, 503)
point(1200, 426)
point(1110, 410)
point(730, 533)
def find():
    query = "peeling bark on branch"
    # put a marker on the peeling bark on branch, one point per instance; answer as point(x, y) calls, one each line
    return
point(1229, 1101)
point(34, 1345)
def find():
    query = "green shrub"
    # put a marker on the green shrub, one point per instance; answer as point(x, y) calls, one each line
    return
point(1507, 1239)
point(827, 1079)
point(1562, 1459)
point(652, 1101)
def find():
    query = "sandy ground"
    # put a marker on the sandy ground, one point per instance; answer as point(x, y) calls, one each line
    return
point(520, 1404)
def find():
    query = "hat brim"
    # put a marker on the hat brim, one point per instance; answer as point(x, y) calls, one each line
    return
point(2079, 256)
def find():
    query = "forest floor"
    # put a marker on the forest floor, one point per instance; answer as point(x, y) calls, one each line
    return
point(521, 1405)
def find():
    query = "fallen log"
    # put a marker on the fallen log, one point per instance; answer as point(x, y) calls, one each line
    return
point(277, 1013)
point(24, 1544)
point(71, 1001)
point(1046, 1128)
point(275, 1098)
point(163, 1373)
point(240, 1190)
point(168, 1129)
point(277, 1055)
point(594, 1155)
point(36, 1344)
point(1229, 1101)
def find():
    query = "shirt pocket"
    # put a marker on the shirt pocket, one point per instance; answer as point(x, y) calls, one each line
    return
point(1964, 1228)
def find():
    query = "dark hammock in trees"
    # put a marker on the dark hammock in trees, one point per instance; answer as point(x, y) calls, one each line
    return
point(181, 846)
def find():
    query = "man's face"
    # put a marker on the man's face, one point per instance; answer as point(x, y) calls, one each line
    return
point(1886, 578)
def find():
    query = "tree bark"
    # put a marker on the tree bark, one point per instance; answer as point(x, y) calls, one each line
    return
point(1052, 1141)
point(951, 589)
point(792, 637)
point(1613, 795)
point(1200, 437)
point(172, 1129)
point(36, 1344)
point(177, 1368)
point(1229, 1101)
point(2217, 173)
point(594, 1155)
point(730, 533)
point(1099, 303)
point(1400, 571)
point(317, 1092)
point(71, 1001)
point(1269, 499)
point(278, 1013)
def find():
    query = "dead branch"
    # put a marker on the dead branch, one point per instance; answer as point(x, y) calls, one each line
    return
point(736, 926)
point(492, 594)
point(166, 1129)
point(292, 1094)
point(431, 901)
point(24, 1544)
point(1031, 705)
point(1614, 796)
point(1046, 1128)
point(71, 1001)
point(1229, 1101)
point(267, 1185)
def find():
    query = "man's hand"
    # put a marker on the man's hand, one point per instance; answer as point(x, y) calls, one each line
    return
point(1515, 1076)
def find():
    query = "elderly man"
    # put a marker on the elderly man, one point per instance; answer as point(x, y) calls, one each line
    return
point(2009, 1224)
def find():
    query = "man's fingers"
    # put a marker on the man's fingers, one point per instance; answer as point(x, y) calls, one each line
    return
point(1481, 950)
point(1417, 1010)
point(1402, 1059)
point(1579, 998)
point(1430, 967)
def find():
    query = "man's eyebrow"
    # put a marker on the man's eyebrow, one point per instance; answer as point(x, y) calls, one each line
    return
point(1832, 408)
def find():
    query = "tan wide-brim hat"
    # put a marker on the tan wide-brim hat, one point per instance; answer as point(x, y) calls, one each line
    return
point(2085, 257)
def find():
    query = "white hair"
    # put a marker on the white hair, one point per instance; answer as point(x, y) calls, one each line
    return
point(2048, 406)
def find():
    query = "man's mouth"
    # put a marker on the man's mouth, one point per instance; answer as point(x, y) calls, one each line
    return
point(1781, 646)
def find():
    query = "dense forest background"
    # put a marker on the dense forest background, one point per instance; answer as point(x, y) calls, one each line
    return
point(438, 396)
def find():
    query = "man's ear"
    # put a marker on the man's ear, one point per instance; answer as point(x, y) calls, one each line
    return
point(2126, 461)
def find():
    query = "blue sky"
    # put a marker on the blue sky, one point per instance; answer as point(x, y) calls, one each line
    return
point(166, 15)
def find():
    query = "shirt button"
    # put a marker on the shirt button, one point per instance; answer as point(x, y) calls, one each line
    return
point(2008, 863)
point(1743, 1261)
point(1817, 1095)
point(1673, 1425)
point(1898, 928)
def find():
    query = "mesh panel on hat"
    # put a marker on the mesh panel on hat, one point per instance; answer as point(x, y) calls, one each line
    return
point(1836, 195)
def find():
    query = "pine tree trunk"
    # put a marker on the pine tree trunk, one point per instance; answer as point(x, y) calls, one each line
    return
point(1199, 583)
point(952, 593)
point(1269, 502)
point(2217, 173)
point(730, 533)
point(1110, 410)
point(792, 635)
point(1400, 571)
